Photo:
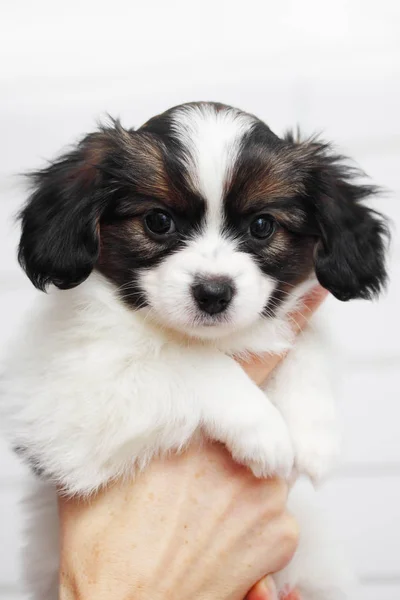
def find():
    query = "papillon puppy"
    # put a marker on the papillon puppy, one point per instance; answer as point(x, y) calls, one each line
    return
point(168, 251)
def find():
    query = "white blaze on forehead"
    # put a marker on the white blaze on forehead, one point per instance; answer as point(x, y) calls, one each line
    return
point(211, 141)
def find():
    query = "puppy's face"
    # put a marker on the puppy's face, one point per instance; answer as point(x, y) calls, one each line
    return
point(205, 217)
point(217, 236)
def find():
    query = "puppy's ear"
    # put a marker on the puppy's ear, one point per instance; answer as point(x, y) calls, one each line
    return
point(350, 253)
point(60, 239)
point(350, 256)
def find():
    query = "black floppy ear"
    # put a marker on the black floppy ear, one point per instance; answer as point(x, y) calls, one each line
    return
point(350, 253)
point(350, 258)
point(60, 240)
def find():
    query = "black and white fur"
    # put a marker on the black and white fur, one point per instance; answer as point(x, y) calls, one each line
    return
point(171, 249)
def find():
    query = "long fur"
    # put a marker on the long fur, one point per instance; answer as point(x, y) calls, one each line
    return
point(123, 362)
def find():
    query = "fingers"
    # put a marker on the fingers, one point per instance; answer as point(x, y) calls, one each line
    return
point(310, 303)
point(292, 596)
point(266, 590)
point(263, 590)
point(258, 368)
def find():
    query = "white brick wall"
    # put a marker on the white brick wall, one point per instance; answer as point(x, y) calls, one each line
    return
point(329, 66)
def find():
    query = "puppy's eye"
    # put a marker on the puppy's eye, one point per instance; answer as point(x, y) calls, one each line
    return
point(262, 227)
point(159, 223)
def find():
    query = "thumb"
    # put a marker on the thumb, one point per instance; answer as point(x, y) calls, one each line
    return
point(265, 589)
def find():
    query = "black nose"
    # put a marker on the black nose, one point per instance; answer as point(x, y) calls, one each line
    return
point(214, 295)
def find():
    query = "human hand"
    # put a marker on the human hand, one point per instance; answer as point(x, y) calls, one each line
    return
point(266, 590)
point(195, 525)
point(258, 368)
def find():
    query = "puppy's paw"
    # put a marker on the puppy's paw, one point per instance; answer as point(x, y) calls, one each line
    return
point(315, 452)
point(265, 447)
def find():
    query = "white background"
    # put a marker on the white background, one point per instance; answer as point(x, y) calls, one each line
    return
point(328, 66)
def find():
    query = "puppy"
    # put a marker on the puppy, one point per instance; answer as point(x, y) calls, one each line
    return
point(170, 249)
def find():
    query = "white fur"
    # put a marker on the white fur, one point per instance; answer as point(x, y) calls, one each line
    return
point(93, 390)
point(307, 405)
point(40, 555)
point(320, 566)
point(104, 388)
point(168, 286)
point(212, 142)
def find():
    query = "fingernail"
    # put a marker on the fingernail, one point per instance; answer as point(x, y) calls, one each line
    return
point(269, 585)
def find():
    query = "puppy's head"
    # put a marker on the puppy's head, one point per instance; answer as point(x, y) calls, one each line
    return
point(204, 216)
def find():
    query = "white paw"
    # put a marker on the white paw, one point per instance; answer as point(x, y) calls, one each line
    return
point(315, 452)
point(265, 447)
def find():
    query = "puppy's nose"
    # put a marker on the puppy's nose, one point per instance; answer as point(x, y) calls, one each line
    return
point(213, 295)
